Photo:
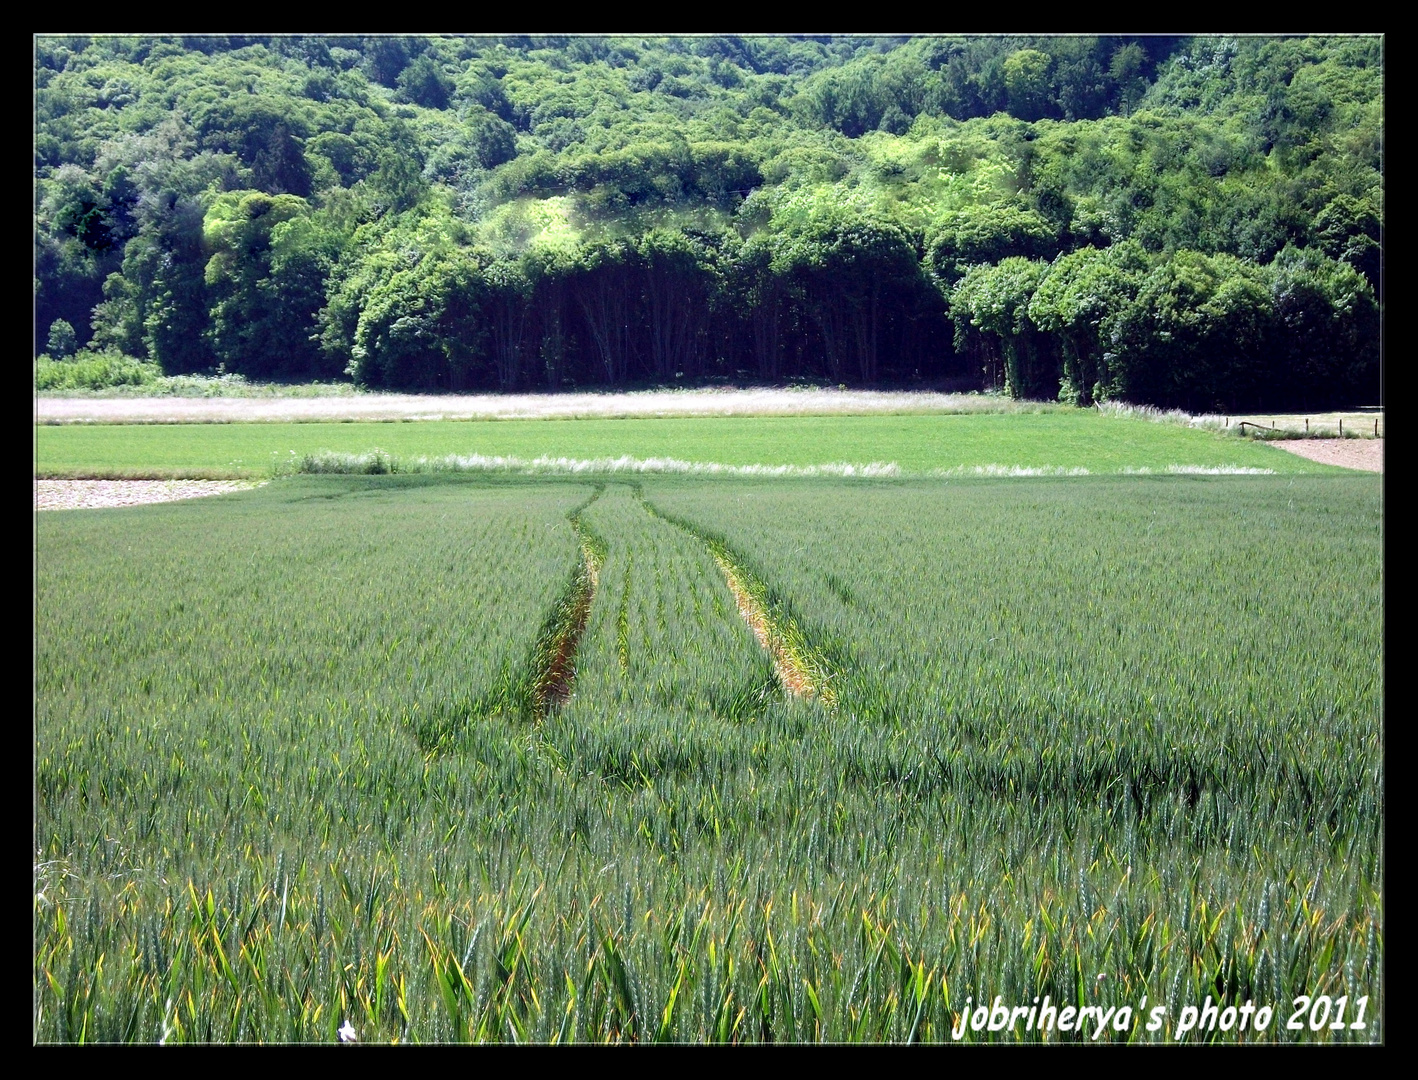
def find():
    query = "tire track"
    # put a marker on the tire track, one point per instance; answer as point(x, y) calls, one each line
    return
point(554, 663)
point(801, 669)
point(542, 682)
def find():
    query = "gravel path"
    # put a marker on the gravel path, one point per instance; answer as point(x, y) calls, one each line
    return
point(89, 494)
point(1366, 454)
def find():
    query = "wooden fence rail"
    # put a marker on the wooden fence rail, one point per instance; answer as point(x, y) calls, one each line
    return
point(1243, 424)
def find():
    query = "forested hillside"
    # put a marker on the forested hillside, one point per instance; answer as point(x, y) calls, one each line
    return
point(1189, 222)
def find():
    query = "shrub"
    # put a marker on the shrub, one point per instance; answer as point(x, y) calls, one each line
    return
point(93, 370)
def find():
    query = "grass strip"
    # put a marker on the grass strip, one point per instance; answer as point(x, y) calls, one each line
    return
point(906, 444)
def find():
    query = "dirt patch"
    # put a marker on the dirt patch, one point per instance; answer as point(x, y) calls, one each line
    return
point(94, 494)
point(1366, 454)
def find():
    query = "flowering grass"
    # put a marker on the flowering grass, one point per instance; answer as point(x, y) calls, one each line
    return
point(231, 398)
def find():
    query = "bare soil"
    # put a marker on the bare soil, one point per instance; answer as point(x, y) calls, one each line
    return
point(92, 494)
point(1366, 454)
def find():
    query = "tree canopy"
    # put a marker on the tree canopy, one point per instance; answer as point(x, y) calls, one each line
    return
point(1191, 221)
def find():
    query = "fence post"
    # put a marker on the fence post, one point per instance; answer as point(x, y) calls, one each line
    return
point(1341, 427)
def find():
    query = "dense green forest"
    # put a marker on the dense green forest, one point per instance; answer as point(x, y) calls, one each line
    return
point(1190, 222)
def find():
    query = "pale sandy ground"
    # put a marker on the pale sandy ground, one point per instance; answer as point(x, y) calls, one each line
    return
point(175, 410)
point(1366, 454)
point(90, 494)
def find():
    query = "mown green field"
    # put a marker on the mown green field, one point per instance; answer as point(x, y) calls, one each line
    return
point(916, 444)
point(1089, 737)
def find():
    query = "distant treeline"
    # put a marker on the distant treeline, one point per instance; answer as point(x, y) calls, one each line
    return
point(1187, 222)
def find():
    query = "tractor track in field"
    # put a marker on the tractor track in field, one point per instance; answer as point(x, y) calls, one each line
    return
point(555, 653)
point(801, 670)
point(791, 672)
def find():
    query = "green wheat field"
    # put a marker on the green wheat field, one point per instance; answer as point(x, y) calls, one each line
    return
point(448, 755)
